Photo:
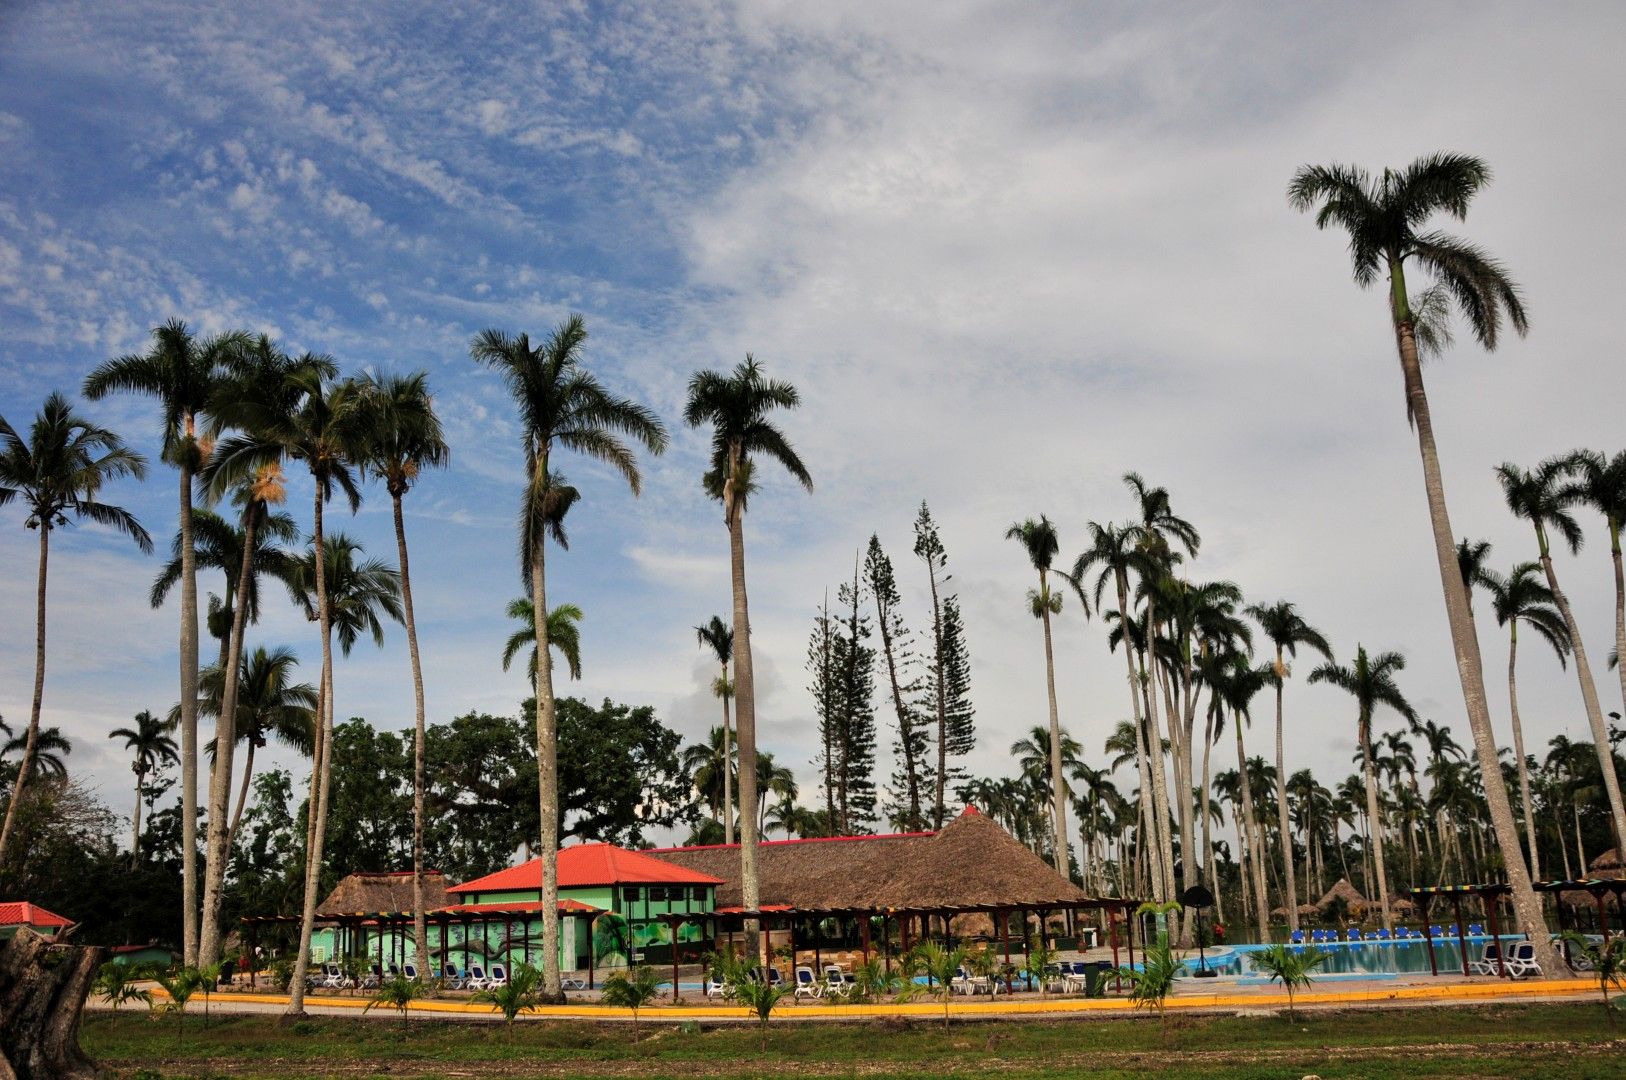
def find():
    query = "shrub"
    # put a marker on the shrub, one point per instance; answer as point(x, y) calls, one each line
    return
point(397, 993)
point(116, 983)
point(632, 989)
point(521, 993)
point(1607, 962)
point(1151, 983)
point(872, 980)
point(1290, 967)
point(760, 998)
point(939, 965)
point(180, 985)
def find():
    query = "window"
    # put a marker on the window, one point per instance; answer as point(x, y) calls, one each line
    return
point(630, 894)
point(657, 894)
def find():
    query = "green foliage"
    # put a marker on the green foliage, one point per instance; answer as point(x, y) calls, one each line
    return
point(399, 993)
point(179, 984)
point(1040, 956)
point(939, 965)
point(631, 989)
point(1290, 967)
point(873, 981)
point(1151, 983)
point(521, 993)
point(116, 984)
point(1607, 963)
point(761, 999)
point(1162, 911)
point(208, 981)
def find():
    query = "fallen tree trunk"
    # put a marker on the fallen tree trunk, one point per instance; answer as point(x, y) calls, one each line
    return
point(42, 994)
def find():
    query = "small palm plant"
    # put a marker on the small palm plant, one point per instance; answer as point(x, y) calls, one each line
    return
point(759, 997)
point(940, 966)
point(208, 981)
point(1607, 961)
point(1040, 957)
point(1290, 967)
point(1151, 983)
point(873, 981)
point(521, 993)
point(399, 993)
point(632, 989)
point(116, 983)
point(180, 985)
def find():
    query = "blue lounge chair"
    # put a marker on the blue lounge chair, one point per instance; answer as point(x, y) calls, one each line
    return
point(1522, 964)
point(1296, 938)
point(1475, 930)
point(1487, 962)
point(411, 972)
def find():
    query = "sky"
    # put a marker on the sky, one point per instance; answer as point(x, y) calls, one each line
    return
point(1007, 252)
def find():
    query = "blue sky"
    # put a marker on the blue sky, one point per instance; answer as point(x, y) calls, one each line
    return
point(1007, 252)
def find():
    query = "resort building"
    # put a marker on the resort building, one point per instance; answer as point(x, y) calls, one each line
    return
point(16, 914)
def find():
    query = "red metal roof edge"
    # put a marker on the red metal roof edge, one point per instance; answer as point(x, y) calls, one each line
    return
point(796, 840)
point(31, 914)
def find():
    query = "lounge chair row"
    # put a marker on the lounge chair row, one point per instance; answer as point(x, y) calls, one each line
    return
point(1400, 933)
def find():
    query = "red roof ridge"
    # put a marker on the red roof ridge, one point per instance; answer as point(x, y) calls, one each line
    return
point(797, 840)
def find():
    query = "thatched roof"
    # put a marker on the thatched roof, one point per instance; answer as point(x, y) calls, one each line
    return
point(1343, 888)
point(1607, 865)
point(379, 892)
point(972, 862)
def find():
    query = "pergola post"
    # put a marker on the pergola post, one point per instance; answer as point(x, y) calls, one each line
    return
point(1462, 942)
point(590, 957)
point(1423, 900)
point(1129, 934)
point(1603, 915)
point(863, 936)
point(1490, 917)
point(1005, 942)
point(1112, 934)
point(673, 926)
point(1027, 949)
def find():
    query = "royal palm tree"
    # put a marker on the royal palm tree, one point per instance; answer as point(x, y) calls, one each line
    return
point(562, 406)
point(361, 592)
point(1037, 756)
point(58, 473)
point(218, 545)
point(719, 638)
point(711, 765)
point(149, 742)
point(1370, 680)
point(402, 438)
point(1543, 497)
point(564, 635)
point(1601, 484)
point(1287, 630)
point(183, 373)
point(1387, 219)
point(1521, 597)
point(1473, 562)
point(51, 750)
point(1038, 539)
point(1235, 690)
point(738, 407)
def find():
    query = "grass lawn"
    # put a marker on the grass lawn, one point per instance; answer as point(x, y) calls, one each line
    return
point(1573, 1040)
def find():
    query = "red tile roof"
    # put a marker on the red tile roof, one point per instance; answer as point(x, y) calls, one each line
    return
point(517, 907)
point(22, 913)
point(583, 865)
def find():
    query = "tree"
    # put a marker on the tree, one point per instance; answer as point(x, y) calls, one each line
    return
point(521, 993)
point(1035, 756)
point(632, 989)
point(183, 373)
point(402, 438)
point(1601, 484)
point(738, 407)
point(1605, 959)
point(564, 635)
point(1236, 683)
point(1291, 967)
point(1287, 630)
point(948, 668)
point(58, 474)
point(1370, 681)
point(1522, 598)
point(149, 742)
point(940, 965)
point(51, 749)
point(1384, 219)
point(912, 742)
point(711, 765)
point(844, 687)
point(619, 773)
point(1038, 539)
point(399, 993)
point(719, 638)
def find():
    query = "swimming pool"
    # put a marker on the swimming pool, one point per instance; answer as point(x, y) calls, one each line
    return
point(1354, 959)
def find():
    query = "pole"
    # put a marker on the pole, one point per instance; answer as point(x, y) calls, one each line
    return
point(1462, 942)
point(1423, 900)
point(1490, 917)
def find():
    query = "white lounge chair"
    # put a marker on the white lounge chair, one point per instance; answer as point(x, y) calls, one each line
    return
point(1487, 962)
point(411, 971)
point(573, 980)
point(835, 982)
point(807, 984)
point(498, 977)
point(1522, 964)
point(333, 977)
point(715, 986)
point(477, 978)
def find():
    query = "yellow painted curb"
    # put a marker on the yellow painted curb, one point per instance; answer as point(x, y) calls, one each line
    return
point(1463, 992)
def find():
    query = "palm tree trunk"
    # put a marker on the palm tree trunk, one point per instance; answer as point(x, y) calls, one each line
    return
point(1580, 848)
point(1375, 819)
point(242, 798)
point(1620, 612)
point(214, 869)
point(25, 768)
point(321, 770)
point(189, 713)
point(547, 767)
point(1058, 783)
point(1208, 843)
point(1256, 846)
point(1142, 751)
point(135, 823)
point(420, 929)
point(1464, 639)
point(728, 769)
point(1291, 886)
point(1160, 787)
point(745, 710)
point(1518, 750)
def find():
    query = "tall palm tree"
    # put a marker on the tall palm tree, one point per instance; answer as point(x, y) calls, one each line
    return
point(711, 766)
point(403, 437)
point(361, 592)
point(562, 406)
point(1037, 755)
point(738, 407)
point(1287, 630)
point(183, 373)
point(51, 750)
point(1601, 484)
point(58, 473)
point(149, 742)
point(719, 638)
point(1522, 598)
point(1543, 497)
point(1038, 539)
point(1370, 680)
point(287, 410)
point(563, 631)
point(1235, 691)
point(1386, 219)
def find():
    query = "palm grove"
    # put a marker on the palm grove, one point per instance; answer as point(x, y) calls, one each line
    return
point(1200, 662)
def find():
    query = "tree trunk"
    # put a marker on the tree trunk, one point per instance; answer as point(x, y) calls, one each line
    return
point(1374, 819)
point(940, 701)
point(728, 771)
point(1518, 750)
point(906, 737)
point(1160, 786)
point(214, 868)
point(745, 707)
point(420, 929)
point(242, 799)
point(1464, 639)
point(189, 712)
point(547, 767)
point(1142, 751)
point(1288, 884)
point(25, 768)
point(135, 823)
point(1058, 783)
point(1208, 843)
point(1256, 845)
point(42, 996)
point(1620, 613)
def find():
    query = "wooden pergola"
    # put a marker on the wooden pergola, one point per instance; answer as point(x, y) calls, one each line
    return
point(1490, 894)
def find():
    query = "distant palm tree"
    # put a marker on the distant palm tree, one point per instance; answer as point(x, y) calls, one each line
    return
point(1543, 497)
point(1522, 598)
point(1473, 561)
point(403, 437)
point(1037, 756)
point(218, 545)
point(58, 473)
point(1235, 687)
point(563, 632)
point(719, 638)
point(361, 593)
point(152, 747)
point(183, 372)
point(1601, 484)
point(772, 779)
point(1370, 680)
point(51, 750)
point(1038, 539)
point(562, 406)
point(1387, 221)
point(737, 406)
point(710, 764)
point(1287, 630)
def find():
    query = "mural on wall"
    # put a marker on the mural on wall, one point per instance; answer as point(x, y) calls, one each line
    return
point(614, 938)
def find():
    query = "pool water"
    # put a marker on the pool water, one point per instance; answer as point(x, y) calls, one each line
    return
point(1355, 959)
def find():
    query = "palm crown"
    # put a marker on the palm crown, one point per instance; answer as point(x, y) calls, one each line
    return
point(61, 468)
point(1543, 497)
point(401, 435)
point(737, 407)
point(564, 634)
point(1370, 680)
point(149, 741)
point(1524, 597)
point(269, 703)
point(358, 592)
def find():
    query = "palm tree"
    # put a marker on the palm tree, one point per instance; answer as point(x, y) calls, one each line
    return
point(719, 638)
point(1385, 219)
point(51, 750)
point(218, 545)
point(361, 593)
point(711, 765)
point(183, 373)
point(1473, 562)
point(1370, 680)
point(562, 406)
point(772, 779)
point(1037, 756)
point(1038, 539)
point(563, 631)
point(403, 438)
point(1235, 689)
point(1602, 486)
point(1521, 597)
point(738, 407)
point(149, 741)
point(58, 473)
point(1543, 497)
point(1287, 630)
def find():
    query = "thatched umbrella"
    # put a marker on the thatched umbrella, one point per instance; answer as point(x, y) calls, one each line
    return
point(1345, 891)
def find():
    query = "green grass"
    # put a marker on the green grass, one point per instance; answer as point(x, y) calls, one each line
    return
point(1573, 1040)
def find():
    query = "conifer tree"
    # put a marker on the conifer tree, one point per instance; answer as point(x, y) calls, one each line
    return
point(856, 670)
point(947, 686)
point(912, 742)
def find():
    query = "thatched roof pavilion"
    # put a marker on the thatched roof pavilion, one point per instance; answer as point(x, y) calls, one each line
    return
point(391, 891)
point(1343, 889)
